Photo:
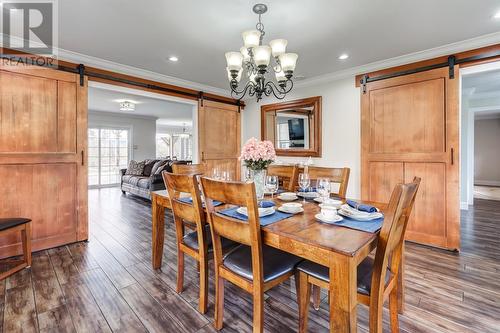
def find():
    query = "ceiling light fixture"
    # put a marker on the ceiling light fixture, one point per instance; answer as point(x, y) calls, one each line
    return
point(255, 59)
point(343, 56)
point(173, 59)
point(127, 106)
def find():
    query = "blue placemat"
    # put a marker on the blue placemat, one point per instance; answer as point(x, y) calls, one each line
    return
point(367, 226)
point(189, 200)
point(266, 220)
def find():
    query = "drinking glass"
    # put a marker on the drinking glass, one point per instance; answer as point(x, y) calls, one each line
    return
point(248, 175)
point(323, 188)
point(304, 183)
point(272, 184)
point(216, 173)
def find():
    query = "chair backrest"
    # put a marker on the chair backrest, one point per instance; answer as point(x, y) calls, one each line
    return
point(178, 185)
point(336, 175)
point(287, 175)
point(189, 169)
point(391, 237)
point(247, 233)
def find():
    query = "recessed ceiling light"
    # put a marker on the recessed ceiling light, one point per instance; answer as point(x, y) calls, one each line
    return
point(343, 56)
point(173, 58)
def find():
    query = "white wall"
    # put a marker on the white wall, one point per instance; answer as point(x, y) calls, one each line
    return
point(341, 135)
point(143, 131)
point(487, 152)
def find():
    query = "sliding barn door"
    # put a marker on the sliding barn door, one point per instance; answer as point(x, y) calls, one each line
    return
point(409, 128)
point(219, 136)
point(43, 126)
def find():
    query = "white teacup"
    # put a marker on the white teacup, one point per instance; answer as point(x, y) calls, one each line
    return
point(292, 206)
point(328, 212)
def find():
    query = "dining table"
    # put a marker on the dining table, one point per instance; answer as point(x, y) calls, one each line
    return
point(337, 247)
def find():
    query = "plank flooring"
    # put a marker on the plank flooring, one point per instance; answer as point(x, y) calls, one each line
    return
point(107, 284)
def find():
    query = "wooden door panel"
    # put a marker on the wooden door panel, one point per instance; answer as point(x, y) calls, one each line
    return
point(28, 110)
point(429, 211)
point(409, 127)
point(219, 133)
point(408, 118)
point(46, 193)
point(43, 174)
point(384, 176)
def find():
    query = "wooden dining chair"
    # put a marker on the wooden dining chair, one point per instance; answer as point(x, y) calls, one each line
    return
point(22, 225)
point(336, 175)
point(287, 175)
point(189, 169)
point(251, 266)
point(377, 278)
point(196, 244)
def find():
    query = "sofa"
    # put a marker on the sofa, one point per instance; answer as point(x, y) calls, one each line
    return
point(142, 177)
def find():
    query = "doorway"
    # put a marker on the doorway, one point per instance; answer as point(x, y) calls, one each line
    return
point(480, 133)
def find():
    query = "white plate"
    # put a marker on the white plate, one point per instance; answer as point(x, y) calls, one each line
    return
point(320, 218)
point(287, 198)
point(262, 211)
point(355, 214)
point(308, 195)
point(295, 211)
point(331, 202)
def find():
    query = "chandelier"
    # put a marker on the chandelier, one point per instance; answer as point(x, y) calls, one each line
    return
point(255, 60)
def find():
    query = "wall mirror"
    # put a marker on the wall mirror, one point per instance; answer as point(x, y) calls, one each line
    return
point(294, 126)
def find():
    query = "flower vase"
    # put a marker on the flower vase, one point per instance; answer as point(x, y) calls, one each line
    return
point(259, 179)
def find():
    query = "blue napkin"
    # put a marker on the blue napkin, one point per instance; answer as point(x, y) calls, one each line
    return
point(266, 220)
point(266, 204)
point(309, 189)
point(189, 200)
point(361, 207)
point(367, 226)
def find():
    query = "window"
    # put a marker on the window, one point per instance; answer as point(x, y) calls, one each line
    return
point(177, 146)
point(108, 153)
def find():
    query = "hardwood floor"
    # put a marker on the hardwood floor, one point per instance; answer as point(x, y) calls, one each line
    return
point(107, 284)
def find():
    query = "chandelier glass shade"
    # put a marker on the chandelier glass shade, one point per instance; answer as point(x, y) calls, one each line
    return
point(267, 69)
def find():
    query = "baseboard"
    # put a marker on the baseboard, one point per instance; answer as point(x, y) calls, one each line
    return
point(464, 205)
point(487, 182)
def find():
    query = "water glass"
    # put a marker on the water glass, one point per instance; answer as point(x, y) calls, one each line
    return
point(323, 188)
point(272, 184)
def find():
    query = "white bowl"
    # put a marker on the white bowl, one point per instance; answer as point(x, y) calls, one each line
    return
point(292, 205)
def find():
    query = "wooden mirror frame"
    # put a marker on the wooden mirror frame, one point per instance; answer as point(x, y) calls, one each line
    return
point(315, 102)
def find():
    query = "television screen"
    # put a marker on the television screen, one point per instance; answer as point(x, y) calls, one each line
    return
point(296, 129)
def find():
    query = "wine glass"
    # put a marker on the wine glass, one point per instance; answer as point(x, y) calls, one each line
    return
point(323, 188)
point(304, 182)
point(216, 173)
point(272, 184)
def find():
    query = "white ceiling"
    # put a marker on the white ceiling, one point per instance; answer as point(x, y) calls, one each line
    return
point(143, 34)
point(482, 91)
point(166, 112)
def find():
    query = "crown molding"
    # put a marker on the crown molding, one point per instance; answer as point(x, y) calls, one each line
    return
point(465, 45)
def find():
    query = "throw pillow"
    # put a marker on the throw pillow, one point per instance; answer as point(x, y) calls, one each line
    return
point(167, 166)
point(149, 167)
point(158, 165)
point(135, 168)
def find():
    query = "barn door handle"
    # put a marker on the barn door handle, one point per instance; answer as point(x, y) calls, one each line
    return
point(452, 151)
point(83, 159)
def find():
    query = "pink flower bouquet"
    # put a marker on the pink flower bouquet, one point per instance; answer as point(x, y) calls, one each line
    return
point(258, 155)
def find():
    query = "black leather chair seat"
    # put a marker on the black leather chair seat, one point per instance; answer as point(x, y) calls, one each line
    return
point(276, 263)
point(365, 270)
point(191, 240)
point(7, 223)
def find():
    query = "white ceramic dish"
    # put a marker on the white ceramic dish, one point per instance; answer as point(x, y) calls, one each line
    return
point(262, 211)
point(355, 214)
point(321, 218)
point(308, 195)
point(330, 202)
point(287, 197)
point(291, 211)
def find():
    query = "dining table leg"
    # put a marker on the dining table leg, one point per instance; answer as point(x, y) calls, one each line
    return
point(343, 294)
point(158, 221)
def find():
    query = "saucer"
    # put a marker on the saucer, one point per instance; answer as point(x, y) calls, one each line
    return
point(308, 195)
point(262, 211)
point(291, 211)
point(287, 198)
point(320, 218)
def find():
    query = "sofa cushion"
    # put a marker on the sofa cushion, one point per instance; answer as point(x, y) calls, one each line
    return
point(148, 167)
point(165, 167)
point(133, 180)
point(143, 182)
point(135, 168)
